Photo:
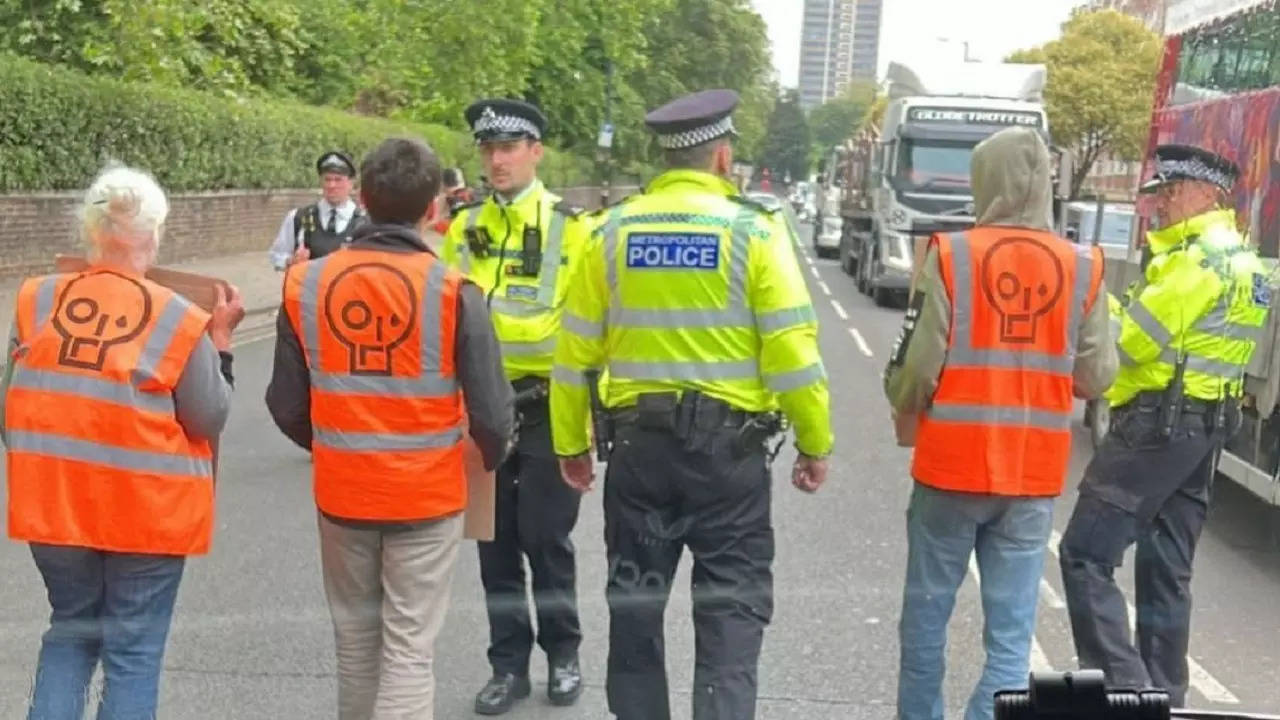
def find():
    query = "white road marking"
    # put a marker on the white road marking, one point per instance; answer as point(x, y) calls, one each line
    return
point(1204, 683)
point(1039, 661)
point(823, 286)
point(1051, 596)
point(814, 270)
point(862, 342)
point(839, 309)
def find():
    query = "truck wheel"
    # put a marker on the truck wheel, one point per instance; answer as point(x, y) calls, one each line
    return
point(1100, 421)
point(882, 296)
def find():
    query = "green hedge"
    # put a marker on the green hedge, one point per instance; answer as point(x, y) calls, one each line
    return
point(59, 127)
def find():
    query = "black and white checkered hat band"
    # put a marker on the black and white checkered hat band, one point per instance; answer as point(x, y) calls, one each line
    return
point(1192, 169)
point(507, 124)
point(696, 136)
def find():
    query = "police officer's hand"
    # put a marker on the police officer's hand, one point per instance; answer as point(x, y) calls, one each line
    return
point(809, 473)
point(578, 471)
point(302, 254)
point(228, 311)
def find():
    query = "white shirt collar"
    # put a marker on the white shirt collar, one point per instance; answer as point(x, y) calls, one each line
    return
point(345, 210)
point(519, 196)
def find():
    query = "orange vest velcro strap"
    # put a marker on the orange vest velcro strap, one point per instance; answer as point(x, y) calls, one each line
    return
point(1000, 420)
point(96, 455)
point(377, 330)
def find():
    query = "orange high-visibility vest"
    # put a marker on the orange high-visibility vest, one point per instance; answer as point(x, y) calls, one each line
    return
point(377, 329)
point(1000, 421)
point(96, 455)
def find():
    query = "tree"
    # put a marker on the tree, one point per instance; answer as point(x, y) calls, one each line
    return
point(786, 148)
point(837, 119)
point(1101, 80)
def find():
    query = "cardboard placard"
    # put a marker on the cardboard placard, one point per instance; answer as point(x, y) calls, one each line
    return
point(199, 289)
point(478, 518)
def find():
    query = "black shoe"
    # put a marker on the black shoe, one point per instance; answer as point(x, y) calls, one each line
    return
point(501, 692)
point(564, 682)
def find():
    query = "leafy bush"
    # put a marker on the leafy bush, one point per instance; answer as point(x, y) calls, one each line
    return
point(59, 127)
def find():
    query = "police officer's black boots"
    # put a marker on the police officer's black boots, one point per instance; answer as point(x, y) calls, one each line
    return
point(564, 681)
point(501, 692)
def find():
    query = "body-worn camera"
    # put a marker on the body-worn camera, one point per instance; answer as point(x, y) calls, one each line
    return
point(531, 252)
point(478, 242)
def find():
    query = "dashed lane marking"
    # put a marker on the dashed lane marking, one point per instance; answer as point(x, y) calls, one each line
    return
point(839, 309)
point(823, 286)
point(862, 342)
point(814, 270)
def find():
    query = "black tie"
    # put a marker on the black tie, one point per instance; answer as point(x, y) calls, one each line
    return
point(333, 221)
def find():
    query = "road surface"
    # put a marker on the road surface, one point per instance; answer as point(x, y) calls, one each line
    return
point(252, 640)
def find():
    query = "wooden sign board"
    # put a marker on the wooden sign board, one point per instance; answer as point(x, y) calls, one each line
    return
point(478, 518)
point(199, 289)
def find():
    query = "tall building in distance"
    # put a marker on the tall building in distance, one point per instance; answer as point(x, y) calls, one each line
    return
point(839, 43)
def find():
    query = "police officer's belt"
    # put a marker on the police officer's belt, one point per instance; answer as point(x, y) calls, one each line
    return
point(669, 411)
point(531, 391)
point(1152, 400)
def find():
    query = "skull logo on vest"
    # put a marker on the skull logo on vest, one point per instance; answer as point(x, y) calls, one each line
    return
point(371, 309)
point(1022, 279)
point(97, 312)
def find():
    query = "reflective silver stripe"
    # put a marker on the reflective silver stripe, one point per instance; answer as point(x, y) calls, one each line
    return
point(98, 454)
point(562, 374)
point(681, 318)
point(1116, 325)
point(1216, 323)
point(429, 324)
point(541, 347)
point(91, 387)
point(611, 253)
point(1029, 360)
point(581, 326)
point(429, 386)
point(1125, 358)
point(739, 248)
point(517, 308)
point(551, 253)
point(1079, 293)
point(999, 415)
point(310, 315)
point(362, 441)
point(783, 382)
point(44, 301)
point(1149, 323)
point(962, 284)
point(782, 319)
point(160, 338)
point(691, 370)
point(1201, 364)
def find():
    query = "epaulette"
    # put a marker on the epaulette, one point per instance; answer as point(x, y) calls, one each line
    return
point(599, 212)
point(472, 204)
point(753, 204)
point(564, 208)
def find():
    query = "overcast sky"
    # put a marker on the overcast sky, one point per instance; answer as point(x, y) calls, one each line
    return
point(911, 29)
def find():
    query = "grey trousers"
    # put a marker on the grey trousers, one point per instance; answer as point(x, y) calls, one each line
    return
point(388, 593)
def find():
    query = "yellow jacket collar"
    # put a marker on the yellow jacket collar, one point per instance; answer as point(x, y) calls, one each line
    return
point(525, 205)
point(685, 180)
point(1166, 239)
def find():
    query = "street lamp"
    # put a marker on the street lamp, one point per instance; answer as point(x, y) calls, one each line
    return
point(962, 42)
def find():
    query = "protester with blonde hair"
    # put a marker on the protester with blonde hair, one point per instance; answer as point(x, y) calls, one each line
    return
point(115, 389)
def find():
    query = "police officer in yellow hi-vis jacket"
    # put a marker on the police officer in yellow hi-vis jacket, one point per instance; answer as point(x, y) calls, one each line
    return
point(1186, 333)
point(692, 304)
point(521, 245)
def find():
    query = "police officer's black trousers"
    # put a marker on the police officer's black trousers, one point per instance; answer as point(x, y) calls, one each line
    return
point(1140, 488)
point(659, 498)
point(536, 511)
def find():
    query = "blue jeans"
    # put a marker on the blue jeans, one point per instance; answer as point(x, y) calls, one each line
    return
point(1009, 536)
point(107, 606)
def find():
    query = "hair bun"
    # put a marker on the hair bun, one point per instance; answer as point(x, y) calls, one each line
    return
point(123, 202)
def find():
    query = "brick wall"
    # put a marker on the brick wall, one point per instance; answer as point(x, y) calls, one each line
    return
point(35, 228)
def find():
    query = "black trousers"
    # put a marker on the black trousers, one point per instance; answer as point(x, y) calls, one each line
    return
point(658, 499)
point(1140, 488)
point(535, 513)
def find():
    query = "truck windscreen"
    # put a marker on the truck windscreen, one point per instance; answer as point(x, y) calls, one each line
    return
point(934, 166)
